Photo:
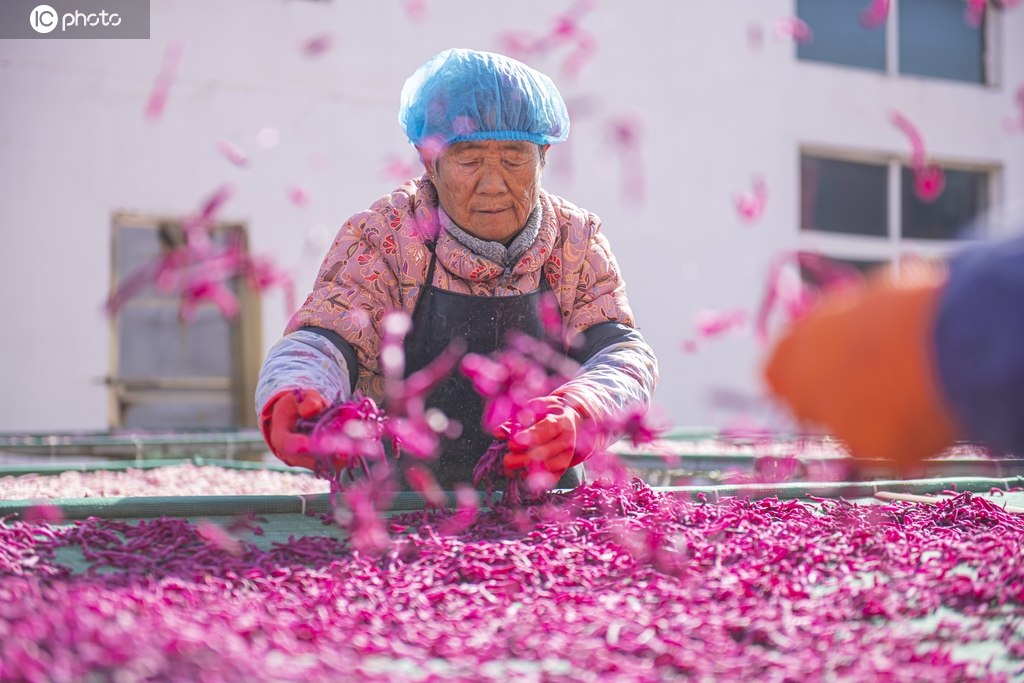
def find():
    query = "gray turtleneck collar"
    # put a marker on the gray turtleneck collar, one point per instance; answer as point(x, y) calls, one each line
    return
point(504, 256)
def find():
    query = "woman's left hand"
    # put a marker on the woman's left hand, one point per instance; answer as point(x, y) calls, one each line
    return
point(546, 435)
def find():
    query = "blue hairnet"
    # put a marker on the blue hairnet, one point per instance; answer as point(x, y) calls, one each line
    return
point(461, 95)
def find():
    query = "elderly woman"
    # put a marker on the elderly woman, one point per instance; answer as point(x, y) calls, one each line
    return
point(466, 251)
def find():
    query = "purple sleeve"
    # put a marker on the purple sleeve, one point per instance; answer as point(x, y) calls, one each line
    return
point(979, 343)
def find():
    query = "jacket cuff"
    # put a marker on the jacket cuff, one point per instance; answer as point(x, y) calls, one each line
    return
point(303, 360)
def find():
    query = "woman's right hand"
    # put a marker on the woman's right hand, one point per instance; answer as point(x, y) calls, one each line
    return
point(280, 418)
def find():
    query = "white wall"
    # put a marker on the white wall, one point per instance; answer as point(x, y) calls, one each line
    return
point(74, 148)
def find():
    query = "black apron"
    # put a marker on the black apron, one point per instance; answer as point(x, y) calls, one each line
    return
point(484, 323)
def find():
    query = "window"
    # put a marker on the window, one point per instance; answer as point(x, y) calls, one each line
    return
point(921, 38)
point(168, 374)
point(955, 214)
point(935, 40)
point(861, 210)
point(843, 196)
point(839, 37)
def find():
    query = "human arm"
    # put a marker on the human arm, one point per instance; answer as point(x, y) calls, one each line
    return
point(584, 415)
point(979, 344)
point(616, 378)
point(309, 358)
point(304, 373)
point(332, 342)
point(899, 369)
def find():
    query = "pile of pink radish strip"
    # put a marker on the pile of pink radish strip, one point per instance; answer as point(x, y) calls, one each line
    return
point(175, 480)
point(609, 582)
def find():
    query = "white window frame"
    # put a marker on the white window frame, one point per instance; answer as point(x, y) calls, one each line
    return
point(246, 339)
point(891, 248)
point(992, 45)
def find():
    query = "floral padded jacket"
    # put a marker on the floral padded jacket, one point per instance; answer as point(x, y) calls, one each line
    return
point(378, 263)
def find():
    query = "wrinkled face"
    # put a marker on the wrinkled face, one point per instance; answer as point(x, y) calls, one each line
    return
point(488, 187)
